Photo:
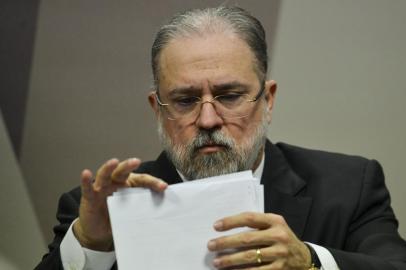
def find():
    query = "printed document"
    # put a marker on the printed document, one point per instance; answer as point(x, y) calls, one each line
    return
point(171, 230)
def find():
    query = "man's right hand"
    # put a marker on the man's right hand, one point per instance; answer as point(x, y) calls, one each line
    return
point(93, 229)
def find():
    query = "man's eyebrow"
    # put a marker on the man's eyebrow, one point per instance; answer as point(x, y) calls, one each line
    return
point(184, 90)
point(215, 88)
point(229, 85)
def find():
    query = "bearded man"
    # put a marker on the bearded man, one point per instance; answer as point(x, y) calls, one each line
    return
point(213, 104)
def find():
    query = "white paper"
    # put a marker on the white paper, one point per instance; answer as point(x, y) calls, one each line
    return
point(171, 230)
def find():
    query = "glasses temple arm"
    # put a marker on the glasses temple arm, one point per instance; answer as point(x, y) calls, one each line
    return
point(259, 94)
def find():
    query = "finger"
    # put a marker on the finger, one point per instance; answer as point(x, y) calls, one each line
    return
point(276, 265)
point(272, 266)
point(103, 176)
point(252, 256)
point(86, 183)
point(236, 259)
point(146, 181)
point(122, 171)
point(246, 257)
point(239, 240)
point(248, 219)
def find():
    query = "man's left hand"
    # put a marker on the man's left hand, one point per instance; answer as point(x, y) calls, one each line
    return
point(278, 246)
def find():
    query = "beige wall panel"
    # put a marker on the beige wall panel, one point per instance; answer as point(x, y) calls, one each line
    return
point(341, 72)
point(21, 241)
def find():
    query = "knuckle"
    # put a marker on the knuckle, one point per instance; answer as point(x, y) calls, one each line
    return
point(249, 256)
point(283, 236)
point(143, 177)
point(282, 251)
point(246, 239)
point(280, 235)
point(269, 215)
point(250, 217)
point(135, 179)
point(279, 219)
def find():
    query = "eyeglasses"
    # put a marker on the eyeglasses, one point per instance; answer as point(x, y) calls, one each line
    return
point(228, 105)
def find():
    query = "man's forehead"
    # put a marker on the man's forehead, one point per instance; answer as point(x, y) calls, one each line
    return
point(202, 50)
point(206, 62)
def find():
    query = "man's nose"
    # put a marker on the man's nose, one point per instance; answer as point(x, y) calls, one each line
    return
point(208, 117)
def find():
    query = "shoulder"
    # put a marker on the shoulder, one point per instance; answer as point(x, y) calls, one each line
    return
point(69, 201)
point(312, 163)
point(298, 152)
point(332, 174)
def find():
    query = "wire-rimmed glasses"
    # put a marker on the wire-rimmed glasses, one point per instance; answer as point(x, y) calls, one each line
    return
point(227, 105)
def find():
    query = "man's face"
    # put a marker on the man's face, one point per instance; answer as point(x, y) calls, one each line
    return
point(209, 144)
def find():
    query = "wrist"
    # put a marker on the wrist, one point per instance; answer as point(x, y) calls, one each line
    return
point(314, 259)
point(89, 242)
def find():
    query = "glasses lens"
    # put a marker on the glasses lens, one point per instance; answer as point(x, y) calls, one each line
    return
point(184, 105)
point(231, 105)
point(181, 107)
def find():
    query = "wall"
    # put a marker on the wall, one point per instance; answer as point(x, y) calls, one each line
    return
point(21, 240)
point(341, 67)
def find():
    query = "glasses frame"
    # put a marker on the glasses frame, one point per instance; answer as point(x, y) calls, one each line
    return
point(256, 98)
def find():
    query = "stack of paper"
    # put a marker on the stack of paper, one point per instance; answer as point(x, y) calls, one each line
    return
point(171, 230)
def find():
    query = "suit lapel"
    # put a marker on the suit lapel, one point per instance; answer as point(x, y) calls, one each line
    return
point(165, 170)
point(282, 187)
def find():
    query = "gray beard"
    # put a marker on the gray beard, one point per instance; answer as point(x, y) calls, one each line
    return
point(231, 158)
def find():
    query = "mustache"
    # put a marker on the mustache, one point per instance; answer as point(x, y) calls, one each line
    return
point(216, 137)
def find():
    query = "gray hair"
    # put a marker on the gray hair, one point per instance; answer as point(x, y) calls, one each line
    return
point(213, 20)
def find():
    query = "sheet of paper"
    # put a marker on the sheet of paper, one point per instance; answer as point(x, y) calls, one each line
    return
point(171, 230)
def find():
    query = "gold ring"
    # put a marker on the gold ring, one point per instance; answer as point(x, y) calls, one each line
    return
point(259, 256)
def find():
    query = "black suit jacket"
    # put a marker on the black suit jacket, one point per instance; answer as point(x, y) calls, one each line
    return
point(333, 200)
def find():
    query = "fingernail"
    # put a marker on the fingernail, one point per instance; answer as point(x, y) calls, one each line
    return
point(218, 225)
point(211, 245)
point(112, 161)
point(134, 160)
point(162, 185)
point(216, 262)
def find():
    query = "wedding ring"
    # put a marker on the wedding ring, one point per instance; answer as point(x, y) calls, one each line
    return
point(259, 256)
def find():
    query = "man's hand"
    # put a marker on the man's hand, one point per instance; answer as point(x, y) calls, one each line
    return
point(279, 247)
point(93, 228)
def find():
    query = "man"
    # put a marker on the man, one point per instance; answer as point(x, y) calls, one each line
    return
point(213, 105)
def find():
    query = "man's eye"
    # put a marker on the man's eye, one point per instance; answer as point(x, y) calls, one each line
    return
point(186, 101)
point(229, 98)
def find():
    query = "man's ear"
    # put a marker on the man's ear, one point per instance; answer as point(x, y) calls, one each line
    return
point(153, 102)
point(270, 92)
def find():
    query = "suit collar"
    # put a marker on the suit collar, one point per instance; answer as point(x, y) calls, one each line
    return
point(164, 169)
point(278, 174)
point(282, 187)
